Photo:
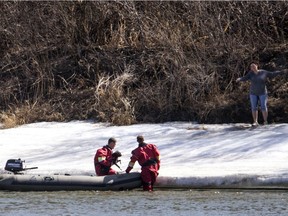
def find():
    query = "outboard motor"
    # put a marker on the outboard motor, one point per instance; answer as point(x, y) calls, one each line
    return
point(16, 166)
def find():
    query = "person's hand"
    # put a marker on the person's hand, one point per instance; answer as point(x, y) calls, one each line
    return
point(285, 72)
point(128, 169)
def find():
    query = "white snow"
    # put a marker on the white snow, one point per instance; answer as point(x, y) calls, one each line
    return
point(191, 154)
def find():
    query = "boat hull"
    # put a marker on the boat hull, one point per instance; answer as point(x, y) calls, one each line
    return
point(17, 182)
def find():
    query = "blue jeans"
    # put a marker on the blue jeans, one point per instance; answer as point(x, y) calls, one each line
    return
point(263, 102)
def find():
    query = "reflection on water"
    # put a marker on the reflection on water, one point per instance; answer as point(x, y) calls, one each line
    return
point(172, 202)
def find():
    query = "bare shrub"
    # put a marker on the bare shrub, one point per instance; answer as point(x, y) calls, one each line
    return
point(110, 101)
point(8, 121)
point(29, 113)
point(131, 61)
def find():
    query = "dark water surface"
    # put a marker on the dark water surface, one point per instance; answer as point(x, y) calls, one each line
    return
point(161, 202)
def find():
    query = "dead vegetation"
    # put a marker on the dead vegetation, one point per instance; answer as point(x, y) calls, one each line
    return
point(126, 62)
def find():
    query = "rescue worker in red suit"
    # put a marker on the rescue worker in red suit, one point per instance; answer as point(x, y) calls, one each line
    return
point(148, 157)
point(104, 159)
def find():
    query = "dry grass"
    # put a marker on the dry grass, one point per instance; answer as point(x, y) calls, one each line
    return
point(111, 104)
point(28, 114)
point(126, 62)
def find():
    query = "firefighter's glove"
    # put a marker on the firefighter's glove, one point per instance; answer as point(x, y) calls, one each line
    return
point(128, 169)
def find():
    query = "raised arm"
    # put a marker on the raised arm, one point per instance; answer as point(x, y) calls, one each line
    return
point(275, 73)
point(244, 78)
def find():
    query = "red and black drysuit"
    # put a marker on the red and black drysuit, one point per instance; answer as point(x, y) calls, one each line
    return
point(148, 157)
point(103, 161)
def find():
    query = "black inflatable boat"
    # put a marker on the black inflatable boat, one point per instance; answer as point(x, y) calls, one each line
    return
point(16, 180)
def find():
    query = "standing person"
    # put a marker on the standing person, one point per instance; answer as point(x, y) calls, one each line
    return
point(148, 157)
point(258, 90)
point(105, 158)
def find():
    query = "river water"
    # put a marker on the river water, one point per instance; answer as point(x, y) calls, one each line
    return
point(136, 202)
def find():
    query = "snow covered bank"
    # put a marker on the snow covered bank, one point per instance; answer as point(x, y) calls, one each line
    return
point(191, 154)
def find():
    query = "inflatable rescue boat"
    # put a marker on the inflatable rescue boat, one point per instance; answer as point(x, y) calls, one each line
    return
point(16, 180)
